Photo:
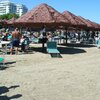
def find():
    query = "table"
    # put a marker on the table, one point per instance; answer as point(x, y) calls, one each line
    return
point(5, 43)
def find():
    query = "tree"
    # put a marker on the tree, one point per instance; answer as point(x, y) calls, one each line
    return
point(9, 16)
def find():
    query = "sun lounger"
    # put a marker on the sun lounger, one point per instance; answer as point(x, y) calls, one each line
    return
point(2, 58)
point(35, 40)
point(52, 48)
point(98, 43)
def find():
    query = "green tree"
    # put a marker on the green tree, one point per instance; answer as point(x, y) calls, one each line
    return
point(9, 16)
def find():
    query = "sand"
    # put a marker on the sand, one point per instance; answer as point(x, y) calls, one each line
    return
point(38, 76)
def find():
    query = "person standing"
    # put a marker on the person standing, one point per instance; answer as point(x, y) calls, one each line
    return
point(44, 36)
point(16, 36)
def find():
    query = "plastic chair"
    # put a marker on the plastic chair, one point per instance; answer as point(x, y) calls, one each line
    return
point(98, 43)
point(2, 58)
point(35, 40)
point(52, 48)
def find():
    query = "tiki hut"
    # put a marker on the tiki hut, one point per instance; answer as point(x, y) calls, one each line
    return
point(42, 15)
point(2, 23)
point(90, 26)
point(96, 25)
point(11, 21)
point(74, 20)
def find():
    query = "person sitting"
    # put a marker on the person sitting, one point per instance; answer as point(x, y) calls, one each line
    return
point(5, 36)
point(49, 36)
point(24, 43)
point(16, 36)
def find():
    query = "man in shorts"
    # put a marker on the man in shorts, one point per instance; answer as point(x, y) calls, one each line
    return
point(16, 36)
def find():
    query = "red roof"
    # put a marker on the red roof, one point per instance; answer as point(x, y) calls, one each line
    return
point(73, 19)
point(96, 25)
point(42, 14)
point(89, 25)
point(11, 21)
point(2, 22)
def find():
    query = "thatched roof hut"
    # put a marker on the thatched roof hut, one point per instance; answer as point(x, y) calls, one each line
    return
point(3, 22)
point(74, 20)
point(11, 21)
point(42, 15)
point(96, 25)
point(88, 23)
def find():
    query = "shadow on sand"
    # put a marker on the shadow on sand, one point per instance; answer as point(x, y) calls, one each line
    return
point(39, 49)
point(7, 65)
point(62, 49)
point(70, 50)
point(81, 45)
point(4, 90)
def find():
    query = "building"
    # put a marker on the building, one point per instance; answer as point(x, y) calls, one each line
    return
point(8, 7)
point(21, 9)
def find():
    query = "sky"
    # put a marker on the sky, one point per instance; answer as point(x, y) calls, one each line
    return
point(89, 9)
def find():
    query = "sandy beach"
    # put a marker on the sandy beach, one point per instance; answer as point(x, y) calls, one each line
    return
point(38, 76)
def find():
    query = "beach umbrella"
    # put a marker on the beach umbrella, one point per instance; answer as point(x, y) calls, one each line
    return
point(74, 20)
point(3, 22)
point(99, 25)
point(96, 25)
point(42, 15)
point(11, 21)
point(87, 22)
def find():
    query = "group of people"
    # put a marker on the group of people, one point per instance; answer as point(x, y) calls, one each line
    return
point(15, 38)
point(83, 36)
point(70, 35)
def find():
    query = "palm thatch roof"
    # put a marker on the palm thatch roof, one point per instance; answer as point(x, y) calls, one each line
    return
point(89, 25)
point(3, 22)
point(11, 21)
point(96, 25)
point(43, 14)
point(73, 19)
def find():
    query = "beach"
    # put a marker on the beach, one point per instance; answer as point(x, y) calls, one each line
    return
point(38, 76)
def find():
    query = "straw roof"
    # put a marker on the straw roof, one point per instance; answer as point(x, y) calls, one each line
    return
point(99, 25)
point(73, 19)
point(96, 25)
point(89, 25)
point(43, 14)
point(3, 22)
point(11, 21)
